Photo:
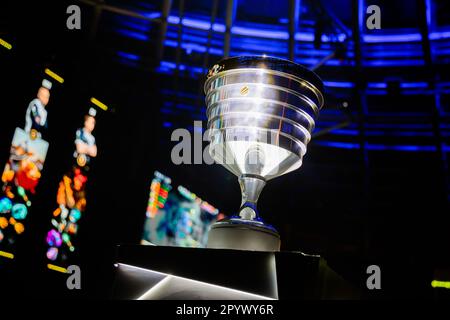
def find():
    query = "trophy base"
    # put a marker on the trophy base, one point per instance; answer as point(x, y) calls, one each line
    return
point(241, 234)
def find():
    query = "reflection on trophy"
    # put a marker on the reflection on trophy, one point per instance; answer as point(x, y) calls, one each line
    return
point(261, 112)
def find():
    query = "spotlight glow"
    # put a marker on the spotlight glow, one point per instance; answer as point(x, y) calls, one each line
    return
point(54, 75)
point(6, 255)
point(56, 268)
point(5, 44)
point(99, 104)
point(440, 284)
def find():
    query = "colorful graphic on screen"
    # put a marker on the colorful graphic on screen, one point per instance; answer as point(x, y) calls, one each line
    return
point(176, 216)
point(23, 170)
point(71, 195)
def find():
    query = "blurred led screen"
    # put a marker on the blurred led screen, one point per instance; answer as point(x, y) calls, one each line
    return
point(23, 170)
point(71, 195)
point(20, 178)
point(176, 216)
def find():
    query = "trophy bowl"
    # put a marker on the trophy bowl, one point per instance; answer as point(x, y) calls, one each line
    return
point(261, 112)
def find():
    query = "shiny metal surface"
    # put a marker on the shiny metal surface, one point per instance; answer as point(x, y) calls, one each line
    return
point(254, 101)
point(261, 112)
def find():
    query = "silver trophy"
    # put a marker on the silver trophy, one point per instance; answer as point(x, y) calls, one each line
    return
point(261, 112)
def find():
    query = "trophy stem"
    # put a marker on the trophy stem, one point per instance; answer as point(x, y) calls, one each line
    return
point(247, 231)
point(251, 187)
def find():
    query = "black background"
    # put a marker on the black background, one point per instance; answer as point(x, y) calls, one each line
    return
point(316, 209)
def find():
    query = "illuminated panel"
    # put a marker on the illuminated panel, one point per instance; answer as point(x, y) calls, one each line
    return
point(159, 191)
point(193, 197)
point(440, 284)
point(56, 268)
point(23, 171)
point(176, 217)
point(6, 255)
point(54, 75)
point(172, 285)
point(71, 197)
point(5, 44)
point(99, 104)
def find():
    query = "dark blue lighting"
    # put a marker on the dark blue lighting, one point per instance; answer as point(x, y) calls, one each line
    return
point(173, 93)
point(167, 66)
point(399, 133)
point(189, 47)
point(140, 27)
point(379, 147)
point(339, 84)
point(401, 147)
point(168, 111)
point(379, 133)
point(411, 37)
point(128, 56)
point(377, 85)
point(335, 144)
point(133, 34)
point(394, 63)
point(381, 49)
point(398, 126)
point(196, 23)
point(273, 32)
point(151, 15)
point(409, 85)
point(408, 37)
point(260, 33)
point(404, 48)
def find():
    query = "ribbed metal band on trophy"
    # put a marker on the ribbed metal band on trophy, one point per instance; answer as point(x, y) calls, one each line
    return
point(261, 112)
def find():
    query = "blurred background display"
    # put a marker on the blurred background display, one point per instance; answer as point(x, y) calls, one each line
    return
point(176, 217)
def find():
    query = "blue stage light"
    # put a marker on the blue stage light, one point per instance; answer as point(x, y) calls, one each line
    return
point(133, 34)
point(128, 56)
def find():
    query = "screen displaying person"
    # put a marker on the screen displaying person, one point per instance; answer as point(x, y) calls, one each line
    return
point(85, 141)
point(36, 115)
point(71, 196)
point(22, 171)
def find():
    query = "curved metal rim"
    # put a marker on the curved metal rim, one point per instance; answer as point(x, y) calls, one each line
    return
point(293, 123)
point(272, 63)
point(284, 104)
point(310, 86)
point(301, 145)
point(244, 224)
point(301, 82)
point(271, 86)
